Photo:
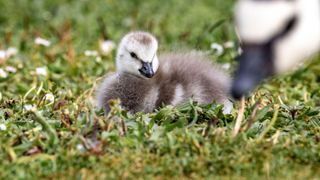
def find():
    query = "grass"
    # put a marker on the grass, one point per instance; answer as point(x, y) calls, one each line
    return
point(69, 139)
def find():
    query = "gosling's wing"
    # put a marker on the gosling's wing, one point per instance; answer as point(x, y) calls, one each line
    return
point(107, 91)
point(136, 94)
point(193, 75)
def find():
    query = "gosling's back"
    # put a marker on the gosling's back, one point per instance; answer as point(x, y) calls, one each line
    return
point(185, 75)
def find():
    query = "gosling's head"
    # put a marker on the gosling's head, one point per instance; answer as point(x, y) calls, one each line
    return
point(137, 54)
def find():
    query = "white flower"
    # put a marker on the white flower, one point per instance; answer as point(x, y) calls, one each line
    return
point(49, 97)
point(3, 74)
point(228, 44)
point(3, 127)
point(41, 71)
point(226, 66)
point(11, 51)
point(11, 69)
point(20, 66)
point(29, 107)
point(41, 41)
point(107, 47)
point(80, 147)
point(218, 48)
point(98, 59)
point(3, 54)
point(90, 53)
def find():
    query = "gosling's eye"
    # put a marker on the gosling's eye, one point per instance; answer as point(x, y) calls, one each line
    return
point(132, 54)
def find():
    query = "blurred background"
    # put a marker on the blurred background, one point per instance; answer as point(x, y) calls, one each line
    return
point(85, 21)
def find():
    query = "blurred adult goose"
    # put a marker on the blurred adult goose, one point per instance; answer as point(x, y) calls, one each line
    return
point(144, 83)
point(276, 35)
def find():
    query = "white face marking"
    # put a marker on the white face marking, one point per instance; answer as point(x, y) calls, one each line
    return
point(258, 21)
point(303, 41)
point(144, 46)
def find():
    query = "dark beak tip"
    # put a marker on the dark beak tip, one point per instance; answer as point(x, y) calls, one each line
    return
point(147, 70)
point(149, 75)
point(237, 92)
point(242, 86)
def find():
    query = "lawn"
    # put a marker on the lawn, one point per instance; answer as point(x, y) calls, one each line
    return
point(50, 128)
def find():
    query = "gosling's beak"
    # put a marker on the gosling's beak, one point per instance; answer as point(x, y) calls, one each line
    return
point(256, 64)
point(147, 69)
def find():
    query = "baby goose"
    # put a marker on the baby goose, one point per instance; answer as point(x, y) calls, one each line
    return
point(144, 83)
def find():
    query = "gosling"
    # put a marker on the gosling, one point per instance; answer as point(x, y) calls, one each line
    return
point(144, 83)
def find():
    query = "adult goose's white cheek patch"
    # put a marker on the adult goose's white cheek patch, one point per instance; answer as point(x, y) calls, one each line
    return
point(303, 41)
point(257, 21)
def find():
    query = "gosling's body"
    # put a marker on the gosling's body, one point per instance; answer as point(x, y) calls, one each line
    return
point(185, 76)
point(144, 83)
point(134, 92)
point(179, 78)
